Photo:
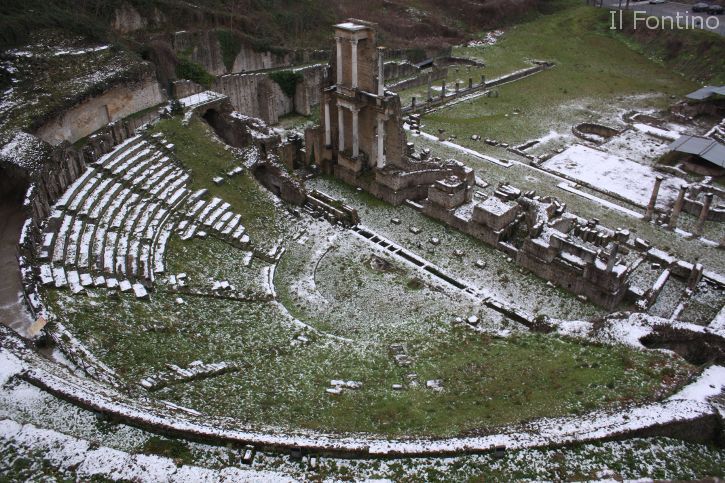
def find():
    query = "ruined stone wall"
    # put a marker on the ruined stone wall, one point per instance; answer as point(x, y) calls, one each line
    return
point(397, 70)
point(203, 48)
point(309, 92)
point(94, 113)
point(257, 95)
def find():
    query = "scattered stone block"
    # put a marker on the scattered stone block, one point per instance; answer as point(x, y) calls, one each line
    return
point(473, 320)
point(125, 286)
point(395, 221)
point(335, 391)
point(218, 180)
point(86, 280)
point(458, 253)
point(480, 264)
point(435, 241)
point(414, 230)
point(179, 300)
point(397, 387)
point(248, 455)
point(140, 291)
point(434, 384)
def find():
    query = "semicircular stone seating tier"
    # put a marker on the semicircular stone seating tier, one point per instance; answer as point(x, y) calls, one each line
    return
point(111, 226)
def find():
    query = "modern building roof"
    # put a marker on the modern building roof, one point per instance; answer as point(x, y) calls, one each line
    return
point(706, 92)
point(706, 148)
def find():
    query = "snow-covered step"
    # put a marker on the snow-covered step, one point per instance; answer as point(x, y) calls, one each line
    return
point(196, 207)
point(81, 195)
point(122, 163)
point(59, 277)
point(208, 209)
point(71, 252)
point(232, 225)
point(60, 239)
point(214, 216)
point(109, 251)
point(94, 197)
point(70, 192)
point(45, 249)
point(104, 203)
point(46, 274)
point(223, 220)
point(74, 282)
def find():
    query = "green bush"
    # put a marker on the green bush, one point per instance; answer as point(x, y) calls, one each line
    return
point(287, 81)
point(192, 71)
point(230, 44)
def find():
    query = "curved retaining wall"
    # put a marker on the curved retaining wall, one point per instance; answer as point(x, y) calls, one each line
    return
point(686, 419)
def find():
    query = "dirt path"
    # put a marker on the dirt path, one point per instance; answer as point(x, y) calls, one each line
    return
point(12, 309)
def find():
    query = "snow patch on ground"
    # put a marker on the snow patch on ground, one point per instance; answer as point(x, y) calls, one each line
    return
point(600, 170)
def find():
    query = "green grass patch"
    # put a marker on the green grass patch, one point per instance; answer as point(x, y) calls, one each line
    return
point(176, 449)
point(595, 72)
point(187, 69)
point(206, 158)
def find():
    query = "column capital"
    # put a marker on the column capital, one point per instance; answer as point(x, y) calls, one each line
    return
point(353, 41)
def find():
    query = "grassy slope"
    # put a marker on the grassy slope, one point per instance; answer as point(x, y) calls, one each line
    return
point(594, 71)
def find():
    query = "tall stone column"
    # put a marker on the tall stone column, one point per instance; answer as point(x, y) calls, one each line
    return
point(328, 132)
point(340, 129)
point(355, 133)
point(612, 257)
point(381, 142)
point(381, 71)
point(677, 209)
point(703, 214)
point(338, 40)
point(353, 62)
point(653, 198)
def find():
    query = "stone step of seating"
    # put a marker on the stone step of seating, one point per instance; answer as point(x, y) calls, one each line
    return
point(190, 231)
point(223, 220)
point(119, 151)
point(96, 255)
point(216, 214)
point(148, 182)
point(109, 252)
point(71, 190)
point(80, 195)
point(148, 164)
point(196, 208)
point(160, 249)
point(93, 197)
point(45, 273)
point(124, 210)
point(177, 196)
point(47, 246)
point(208, 208)
point(85, 245)
point(172, 189)
point(154, 224)
point(232, 225)
point(105, 201)
point(59, 277)
point(140, 159)
point(133, 151)
point(165, 181)
point(71, 251)
point(135, 176)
